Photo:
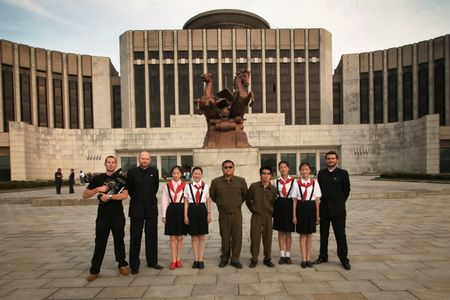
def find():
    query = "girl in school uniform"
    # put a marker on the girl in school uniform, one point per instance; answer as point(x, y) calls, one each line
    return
point(173, 215)
point(197, 214)
point(306, 212)
point(282, 211)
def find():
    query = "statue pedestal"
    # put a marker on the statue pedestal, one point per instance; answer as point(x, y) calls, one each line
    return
point(246, 162)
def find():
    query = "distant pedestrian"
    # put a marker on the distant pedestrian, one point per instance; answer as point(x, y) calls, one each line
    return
point(71, 181)
point(82, 178)
point(58, 180)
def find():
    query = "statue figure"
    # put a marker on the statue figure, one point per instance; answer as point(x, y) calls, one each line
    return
point(225, 111)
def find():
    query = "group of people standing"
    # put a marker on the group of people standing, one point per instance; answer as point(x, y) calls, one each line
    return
point(285, 205)
point(59, 180)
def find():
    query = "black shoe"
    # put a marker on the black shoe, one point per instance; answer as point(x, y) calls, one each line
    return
point(134, 271)
point(200, 265)
point(236, 264)
point(320, 260)
point(155, 266)
point(346, 266)
point(252, 264)
point(309, 264)
point(304, 265)
point(222, 264)
point(268, 263)
point(195, 265)
point(288, 261)
point(282, 261)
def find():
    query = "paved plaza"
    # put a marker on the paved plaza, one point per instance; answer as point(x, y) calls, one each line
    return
point(398, 235)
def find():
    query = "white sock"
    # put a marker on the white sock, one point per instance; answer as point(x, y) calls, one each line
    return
point(282, 253)
point(288, 254)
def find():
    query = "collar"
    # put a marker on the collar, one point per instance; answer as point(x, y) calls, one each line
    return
point(281, 178)
point(225, 179)
point(306, 181)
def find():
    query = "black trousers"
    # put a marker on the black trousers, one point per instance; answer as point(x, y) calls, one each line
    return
point(150, 223)
point(103, 225)
point(71, 190)
point(58, 186)
point(338, 224)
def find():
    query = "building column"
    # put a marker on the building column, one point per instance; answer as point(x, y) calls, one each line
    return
point(371, 96)
point(263, 69)
point(431, 108)
point(399, 85)
point(2, 121)
point(205, 52)
point(277, 45)
point(307, 76)
point(175, 72)
point(80, 94)
point(16, 74)
point(50, 91)
point(34, 104)
point(385, 88)
point(191, 74)
point(161, 80)
point(415, 84)
point(249, 59)
point(233, 43)
point(292, 80)
point(65, 87)
point(219, 59)
point(447, 79)
point(146, 81)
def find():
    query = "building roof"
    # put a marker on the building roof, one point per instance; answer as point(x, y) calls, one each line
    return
point(226, 19)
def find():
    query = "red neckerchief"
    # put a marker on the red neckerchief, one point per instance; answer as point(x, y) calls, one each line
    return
point(179, 189)
point(199, 189)
point(306, 186)
point(283, 183)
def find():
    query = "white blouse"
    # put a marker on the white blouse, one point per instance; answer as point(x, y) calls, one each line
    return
point(191, 198)
point(293, 193)
point(309, 189)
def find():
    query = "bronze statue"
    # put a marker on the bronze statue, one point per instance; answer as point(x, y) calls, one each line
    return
point(225, 111)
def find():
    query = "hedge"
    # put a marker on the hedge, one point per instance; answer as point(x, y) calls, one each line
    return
point(417, 176)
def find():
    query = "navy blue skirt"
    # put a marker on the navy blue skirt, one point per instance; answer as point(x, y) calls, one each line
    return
point(175, 220)
point(306, 217)
point(198, 219)
point(282, 215)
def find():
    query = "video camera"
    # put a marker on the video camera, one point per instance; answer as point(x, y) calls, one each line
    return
point(116, 183)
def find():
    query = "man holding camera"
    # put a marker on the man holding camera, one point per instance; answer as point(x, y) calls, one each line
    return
point(111, 189)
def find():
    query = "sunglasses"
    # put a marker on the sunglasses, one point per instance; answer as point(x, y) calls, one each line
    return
point(228, 167)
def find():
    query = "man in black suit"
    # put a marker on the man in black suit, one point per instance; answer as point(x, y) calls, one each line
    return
point(335, 185)
point(143, 183)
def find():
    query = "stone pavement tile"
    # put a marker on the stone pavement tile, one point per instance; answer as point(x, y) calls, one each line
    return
point(168, 291)
point(294, 288)
point(66, 283)
point(146, 271)
point(353, 286)
point(57, 266)
point(355, 274)
point(370, 265)
point(338, 296)
point(321, 276)
point(111, 281)
point(122, 292)
point(29, 294)
point(24, 274)
point(289, 297)
point(436, 284)
point(398, 284)
point(431, 295)
point(62, 273)
point(185, 270)
point(265, 288)
point(248, 297)
point(153, 280)
point(273, 277)
point(3, 282)
point(215, 289)
point(5, 290)
point(28, 283)
point(214, 269)
point(237, 278)
point(406, 265)
point(438, 273)
point(206, 297)
point(21, 266)
point(405, 274)
point(260, 268)
point(198, 279)
point(329, 266)
point(389, 295)
point(76, 293)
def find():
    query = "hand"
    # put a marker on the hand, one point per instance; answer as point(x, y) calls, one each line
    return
point(294, 220)
point(104, 198)
point(209, 218)
point(103, 189)
point(317, 219)
point(186, 220)
point(164, 220)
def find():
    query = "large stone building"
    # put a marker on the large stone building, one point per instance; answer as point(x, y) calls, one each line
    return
point(379, 110)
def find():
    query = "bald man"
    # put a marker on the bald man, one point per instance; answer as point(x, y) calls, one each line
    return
point(143, 183)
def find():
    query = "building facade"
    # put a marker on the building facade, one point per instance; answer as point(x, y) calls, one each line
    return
point(378, 110)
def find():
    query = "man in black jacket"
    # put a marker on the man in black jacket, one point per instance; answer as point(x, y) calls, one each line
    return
point(143, 184)
point(335, 185)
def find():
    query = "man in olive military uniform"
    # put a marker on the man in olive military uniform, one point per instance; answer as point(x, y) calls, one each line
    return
point(228, 192)
point(260, 198)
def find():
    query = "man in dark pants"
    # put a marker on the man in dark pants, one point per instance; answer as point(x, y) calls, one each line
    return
point(110, 217)
point(58, 180)
point(260, 198)
point(71, 181)
point(228, 192)
point(335, 185)
point(143, 184)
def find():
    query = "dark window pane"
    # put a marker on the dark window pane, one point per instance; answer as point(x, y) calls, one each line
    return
point(300, 99)
point(187, 161)
point(291, 158)
point(392, 95)
point(167, 162)
point(117, 107)
point(169, 95)
point(88, 108)
point(364, 98)
point(407, 93)
point(73, 102)
point(271, 83)
point(270, 160)
point(197, 74)
point(183, 84)
point(439, 89)
point(309, 158)
point(256, 78)
point(337, 115)
point(58, 108)
point(285, 92)
point(155, 96)
point(25, 95)
point(378, 96)
point(8, 96)
point(41, 84)
point(139, 95)
point(423, 90)
point(138, 54)
point(314, 89)
point(227, 76)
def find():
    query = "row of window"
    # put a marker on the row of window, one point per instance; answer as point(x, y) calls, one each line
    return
point(407, 89)
point(42, 98)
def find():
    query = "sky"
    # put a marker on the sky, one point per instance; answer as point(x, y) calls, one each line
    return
point(93, 27)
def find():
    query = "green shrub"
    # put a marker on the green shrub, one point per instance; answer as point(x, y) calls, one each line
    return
point(417, 176)
point(22, 184)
